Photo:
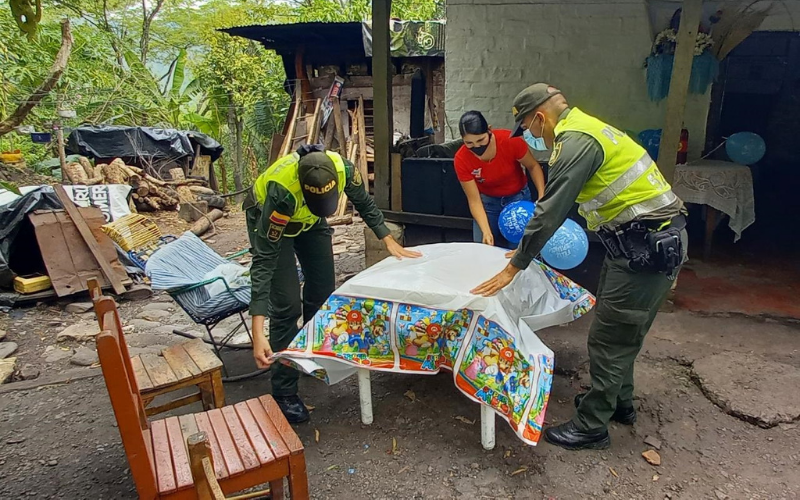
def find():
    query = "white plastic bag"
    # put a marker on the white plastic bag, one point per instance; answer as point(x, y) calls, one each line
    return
point(234, 274)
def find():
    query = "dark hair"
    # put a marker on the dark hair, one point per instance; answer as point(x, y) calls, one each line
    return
point(472, 122)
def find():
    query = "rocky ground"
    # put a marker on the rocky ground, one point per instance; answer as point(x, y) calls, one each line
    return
point(718, 399)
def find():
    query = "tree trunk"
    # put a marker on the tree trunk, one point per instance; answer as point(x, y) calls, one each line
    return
point(147, 20)
point(204, 224)
point(235, 125)
point(58, 67)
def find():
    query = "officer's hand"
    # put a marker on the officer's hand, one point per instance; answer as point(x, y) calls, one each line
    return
point(397, 250)
point(488, 239)
point(494, 285)
point(263, 354)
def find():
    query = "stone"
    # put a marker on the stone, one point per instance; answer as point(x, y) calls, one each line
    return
point(653, 441)
point(28, 372)
point(79, 331)
point(84, 357)
point(79, 307)
point(3, 334)
point(169, 329)
point(128, 329)
point(57, 355)
point(143, 324)
point(7, 369)
point(159, 306)
point(750, 387)
point(7, 349)
point(153, 315)
point(652, 457)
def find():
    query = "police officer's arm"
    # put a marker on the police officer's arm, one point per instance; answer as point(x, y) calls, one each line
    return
point(278, 208)
point(576, 157)
point(579, 158)
point(365, 205)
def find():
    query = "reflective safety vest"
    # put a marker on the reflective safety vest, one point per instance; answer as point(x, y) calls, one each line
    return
point(284, 172)
point(626, 186)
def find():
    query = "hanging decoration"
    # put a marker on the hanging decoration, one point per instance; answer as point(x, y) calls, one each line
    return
point(659, 64)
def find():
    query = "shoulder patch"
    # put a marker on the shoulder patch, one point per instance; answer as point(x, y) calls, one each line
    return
point(357, 180)
point(275, 232)
point(279, 219)
point(556, 153)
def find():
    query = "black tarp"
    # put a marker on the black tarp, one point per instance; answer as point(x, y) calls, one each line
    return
point(140, 142)
point(12, 218)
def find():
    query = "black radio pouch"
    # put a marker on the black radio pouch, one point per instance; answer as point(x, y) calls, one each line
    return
point(666, 250)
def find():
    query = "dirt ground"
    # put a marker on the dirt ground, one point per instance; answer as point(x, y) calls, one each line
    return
point(60, 440)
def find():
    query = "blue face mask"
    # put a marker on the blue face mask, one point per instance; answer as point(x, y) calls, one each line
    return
point(536, 143)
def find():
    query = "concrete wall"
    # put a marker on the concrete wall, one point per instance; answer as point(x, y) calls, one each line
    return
point(593, 50)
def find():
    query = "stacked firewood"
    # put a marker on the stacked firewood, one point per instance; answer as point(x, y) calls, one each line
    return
point(148, 193)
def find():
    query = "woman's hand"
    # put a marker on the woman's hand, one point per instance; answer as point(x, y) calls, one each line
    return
point(510, 254)
point(497, 283)
point(397, 250)
point(488, 238)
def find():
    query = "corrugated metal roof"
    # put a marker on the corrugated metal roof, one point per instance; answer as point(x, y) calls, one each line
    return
point(287, 37)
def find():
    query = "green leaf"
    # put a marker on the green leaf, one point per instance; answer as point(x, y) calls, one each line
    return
point(11, 187)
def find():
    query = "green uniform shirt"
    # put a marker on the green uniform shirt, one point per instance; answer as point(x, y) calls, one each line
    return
point(579, 159)
point(267, 241)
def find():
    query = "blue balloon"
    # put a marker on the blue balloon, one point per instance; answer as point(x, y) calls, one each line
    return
point(745, 147)
point(650, 140)
point(568, 246)
point(514, 218)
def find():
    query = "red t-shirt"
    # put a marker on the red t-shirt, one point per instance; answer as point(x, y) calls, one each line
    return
point(503, 175)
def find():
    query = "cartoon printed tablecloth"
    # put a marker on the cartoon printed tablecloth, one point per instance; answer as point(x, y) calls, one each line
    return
point(417, 316)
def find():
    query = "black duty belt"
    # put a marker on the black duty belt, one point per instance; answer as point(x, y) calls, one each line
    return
point(649, 245)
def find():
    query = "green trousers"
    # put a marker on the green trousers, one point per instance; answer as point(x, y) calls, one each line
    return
point(627, 304)
point(314, 250)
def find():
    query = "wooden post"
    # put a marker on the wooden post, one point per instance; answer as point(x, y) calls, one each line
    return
point(337, 121)
point(365, 395)
point(362, 144)
point(487, 428)
point(679, 87)
point(382, 100)
point(62, 155)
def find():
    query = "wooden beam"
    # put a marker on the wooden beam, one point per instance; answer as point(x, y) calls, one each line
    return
point(679, 87)
point(88, 237)
point(337, 122)
point(382, 100)
point(443, 221)
point(397, 192)
point(362, 144)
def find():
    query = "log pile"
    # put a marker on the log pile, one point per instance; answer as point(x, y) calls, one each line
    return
point(148, 194)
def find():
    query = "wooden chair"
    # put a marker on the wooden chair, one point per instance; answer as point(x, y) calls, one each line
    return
point(183, 365)
point(251, 442)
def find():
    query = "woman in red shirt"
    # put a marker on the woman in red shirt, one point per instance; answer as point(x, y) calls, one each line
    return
point(490, 168)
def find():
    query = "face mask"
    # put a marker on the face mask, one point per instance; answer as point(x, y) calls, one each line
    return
point(479, 150)
point(536, 143)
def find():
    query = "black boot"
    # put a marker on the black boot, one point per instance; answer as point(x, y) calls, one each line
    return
point(570, 437)
point(625, 415)
point(292, 408)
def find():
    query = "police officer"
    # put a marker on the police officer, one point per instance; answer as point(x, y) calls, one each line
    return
point(623, 196)
point(285, 211)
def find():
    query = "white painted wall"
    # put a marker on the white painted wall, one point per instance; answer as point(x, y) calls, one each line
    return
point(593, 50)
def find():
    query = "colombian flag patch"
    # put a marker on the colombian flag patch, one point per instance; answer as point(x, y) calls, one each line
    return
point(279, 219)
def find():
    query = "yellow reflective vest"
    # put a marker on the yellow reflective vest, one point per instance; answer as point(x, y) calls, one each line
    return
point(284, 172)
point(627, 185)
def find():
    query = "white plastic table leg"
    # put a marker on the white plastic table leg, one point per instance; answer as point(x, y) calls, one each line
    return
point(365, 394)
point(487, 428)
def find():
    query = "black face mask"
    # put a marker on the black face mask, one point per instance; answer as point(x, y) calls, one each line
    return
point(479, 150)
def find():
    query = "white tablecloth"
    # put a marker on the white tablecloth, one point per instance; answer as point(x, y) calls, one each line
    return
point(723, 185)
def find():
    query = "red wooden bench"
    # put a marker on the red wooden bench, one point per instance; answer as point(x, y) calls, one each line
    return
point(251, 442)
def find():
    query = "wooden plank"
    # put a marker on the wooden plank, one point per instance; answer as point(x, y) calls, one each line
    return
point(362, 144)
point(275, 147)
point(230, 453)
point(88, 237)
point(148, 444)
point(316, 118)
point(159, 371)
point(679, 87)
point(243, 445)
point(188, 427)
point(338, 127)
point(382, 100)
point(180, 455)
point(281, 424)
point(181, 363)
point(165, 475)
point(262, 450)
point(203, 356)
point(397, 179)
point(173, 404)
point(142, 378)
point(268, 429)
point(292, 118)
point(204, 424)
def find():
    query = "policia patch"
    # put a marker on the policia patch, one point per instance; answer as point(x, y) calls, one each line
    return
point(357, 180)
point(275, 232)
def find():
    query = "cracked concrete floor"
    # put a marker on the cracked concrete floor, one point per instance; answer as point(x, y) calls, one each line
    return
point(61, 442)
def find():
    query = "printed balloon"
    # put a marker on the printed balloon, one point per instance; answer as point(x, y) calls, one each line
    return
point(514, 218)
point(745, 148)
point(568, 246)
